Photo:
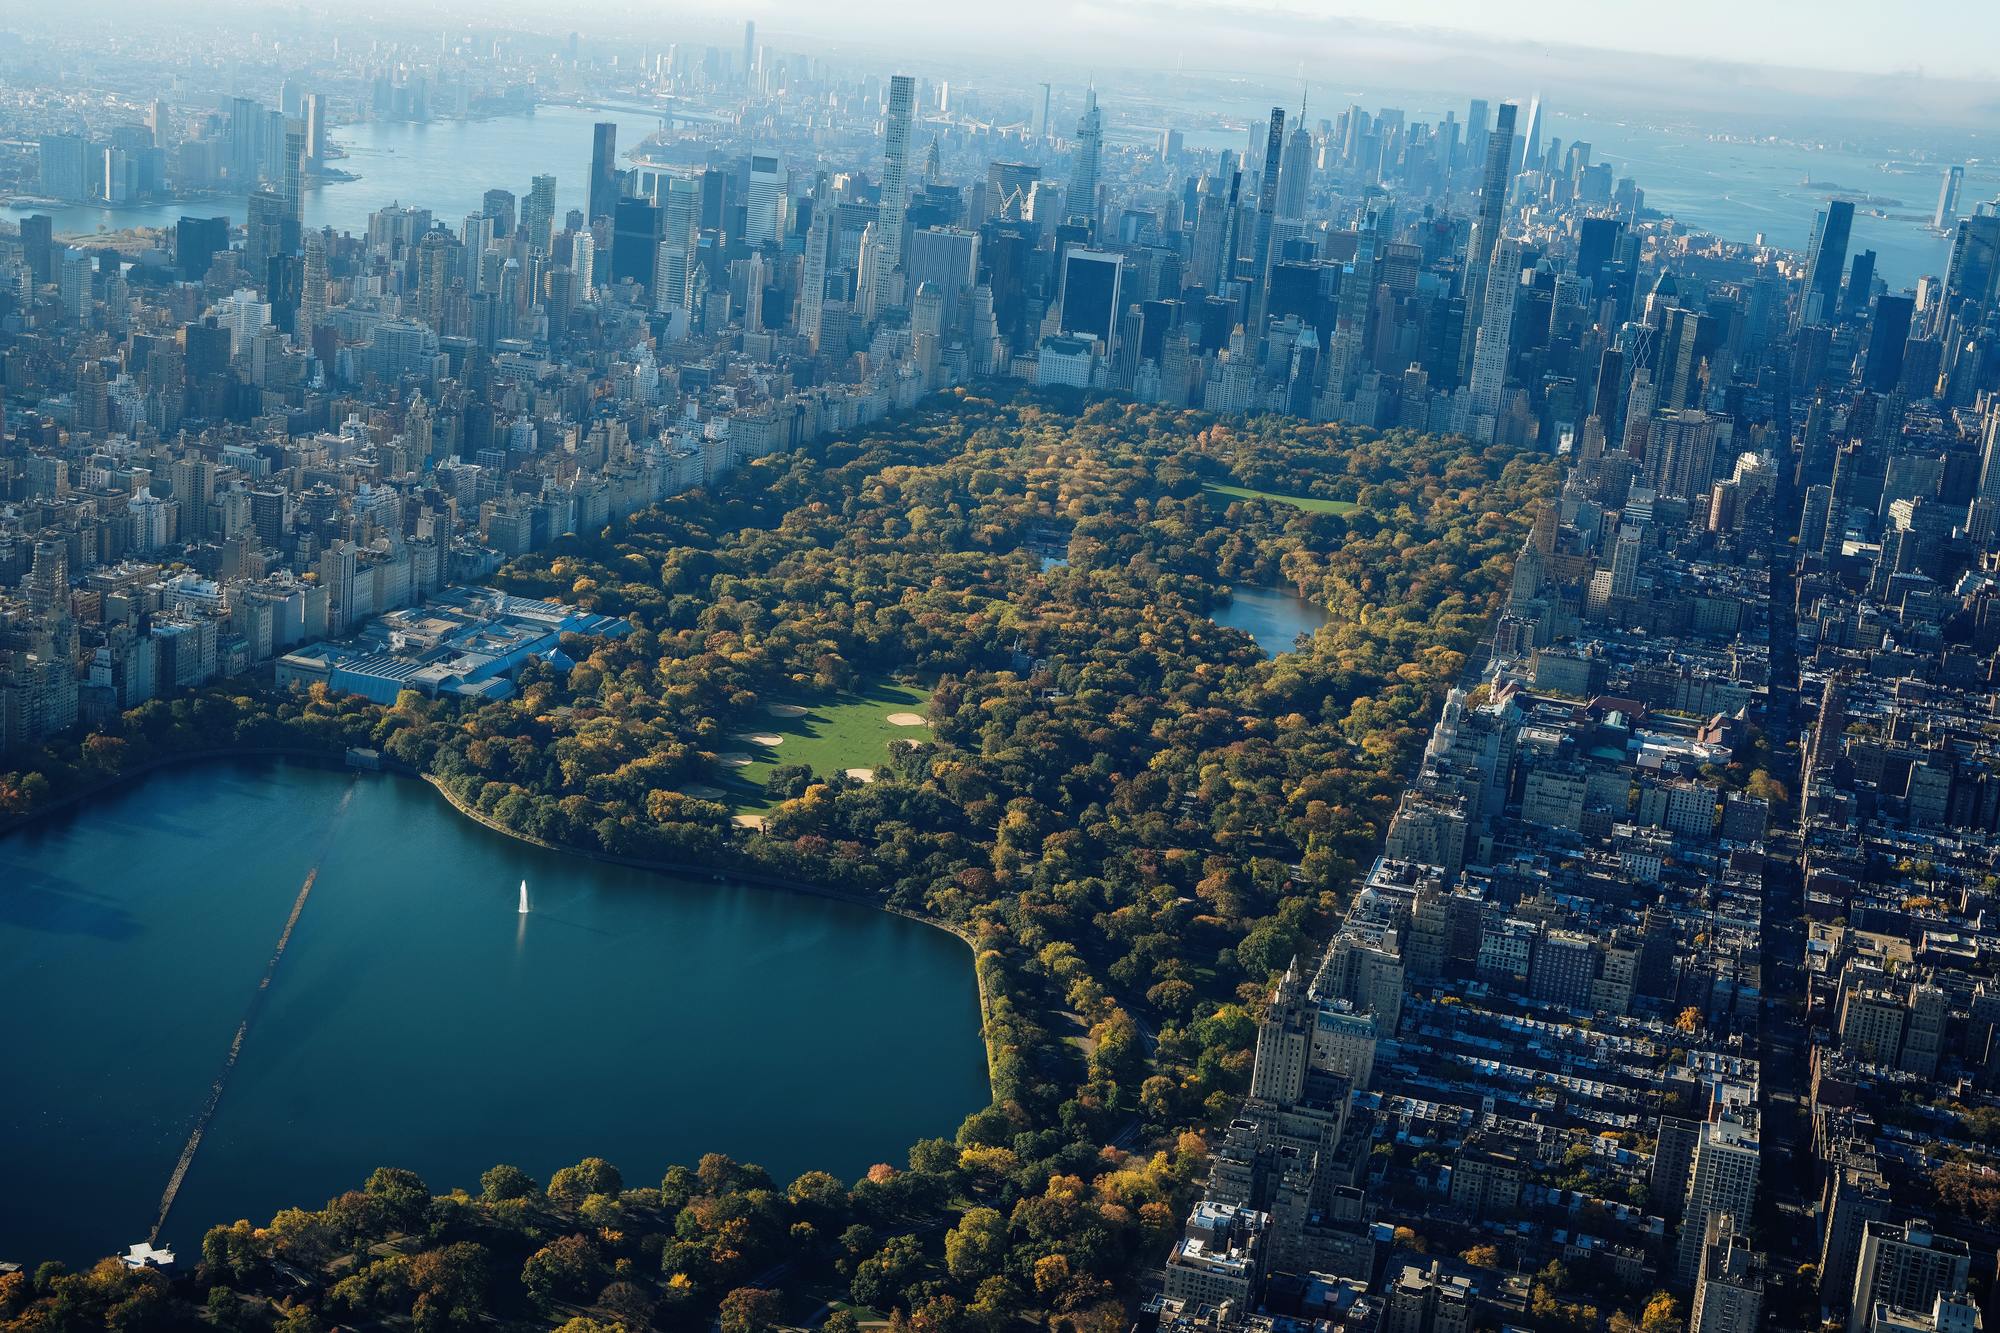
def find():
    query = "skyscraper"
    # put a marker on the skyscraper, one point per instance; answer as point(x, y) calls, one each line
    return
point(1597, 240)
point(812, 279)
point(1531, 138)
point(895, 185)
point(680, 210)
point(676, 223)
point(1211, 234)
point(1083, 180)
point(1267, 205)
point(867, 275)
point(1295, 180)
point(294, 171)
point(1886, 340)
point(197, 241)
point(1475, 130)
point(269, 230)
point(312, 290)
point(475, 238)
point(767, 191)
point(948, 259)
point(1357, 292)
point(1492, 338)
point(38, 246)
point(1284, 1042)
point(1947, 208)
point(1007, 187)
point(62, 165)
point(1826, 257)
point(538, 214)
point(603, 170)
point(1090, 297)
point(749, 49)
point(499, 205)
point(1486, 228)
point(315, 118)
point(1493, 187)
point(1860, 286)
point(1974, 272)
point(635, 241)
point(245, 132)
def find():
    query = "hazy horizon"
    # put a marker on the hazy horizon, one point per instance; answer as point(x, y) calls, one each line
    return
point(1792, 58)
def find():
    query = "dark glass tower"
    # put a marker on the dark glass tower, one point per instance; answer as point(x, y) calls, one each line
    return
point(603, 170)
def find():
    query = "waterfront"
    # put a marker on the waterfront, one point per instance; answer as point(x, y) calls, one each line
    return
point(1734, 174)
point(446, 166)
point(418, 1019)
point(1737, 188)
point(1733, 187)
point(1274, 617)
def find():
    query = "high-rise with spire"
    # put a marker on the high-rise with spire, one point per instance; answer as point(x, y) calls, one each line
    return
point(1295, 175)
point(1531, 137)
point(812, 281)
point(1084, 180)
point(1267, 207)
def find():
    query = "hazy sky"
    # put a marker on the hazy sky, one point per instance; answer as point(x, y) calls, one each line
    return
point(1957, 39)
point(1761, 55)
point(1949, 38)
point(1767, 57)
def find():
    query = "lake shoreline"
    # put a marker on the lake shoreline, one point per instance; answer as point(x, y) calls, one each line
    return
point(756, 879)
point(679, 869)
point(147, 767)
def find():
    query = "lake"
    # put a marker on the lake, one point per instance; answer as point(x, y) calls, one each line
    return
point(418, 1019)
point(1274, 617)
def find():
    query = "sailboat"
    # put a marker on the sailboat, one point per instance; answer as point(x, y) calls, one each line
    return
point(524, 897)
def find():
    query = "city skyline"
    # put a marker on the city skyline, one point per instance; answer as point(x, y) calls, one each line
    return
point(1426, 661)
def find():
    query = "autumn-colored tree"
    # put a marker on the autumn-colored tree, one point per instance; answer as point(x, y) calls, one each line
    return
point(1662, 1314)
point(567, 1268)
point(751, 1310)
point(977, 1246)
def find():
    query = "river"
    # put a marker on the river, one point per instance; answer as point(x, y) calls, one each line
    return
point(1735, 188)
point(446, 166)
point(1734, 174)
point(418, 1019)
point(1274, 617)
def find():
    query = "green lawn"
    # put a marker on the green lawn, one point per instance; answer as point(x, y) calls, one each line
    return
point(834, 734)
point(1311, 504)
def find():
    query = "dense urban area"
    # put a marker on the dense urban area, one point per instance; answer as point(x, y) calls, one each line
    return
point(1579, 925)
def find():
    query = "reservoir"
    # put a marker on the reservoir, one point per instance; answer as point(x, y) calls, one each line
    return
point(418, 1018)
point(1274, 617)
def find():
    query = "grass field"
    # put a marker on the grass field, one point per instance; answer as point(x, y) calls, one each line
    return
point(831, 736)
point(1311, 504)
